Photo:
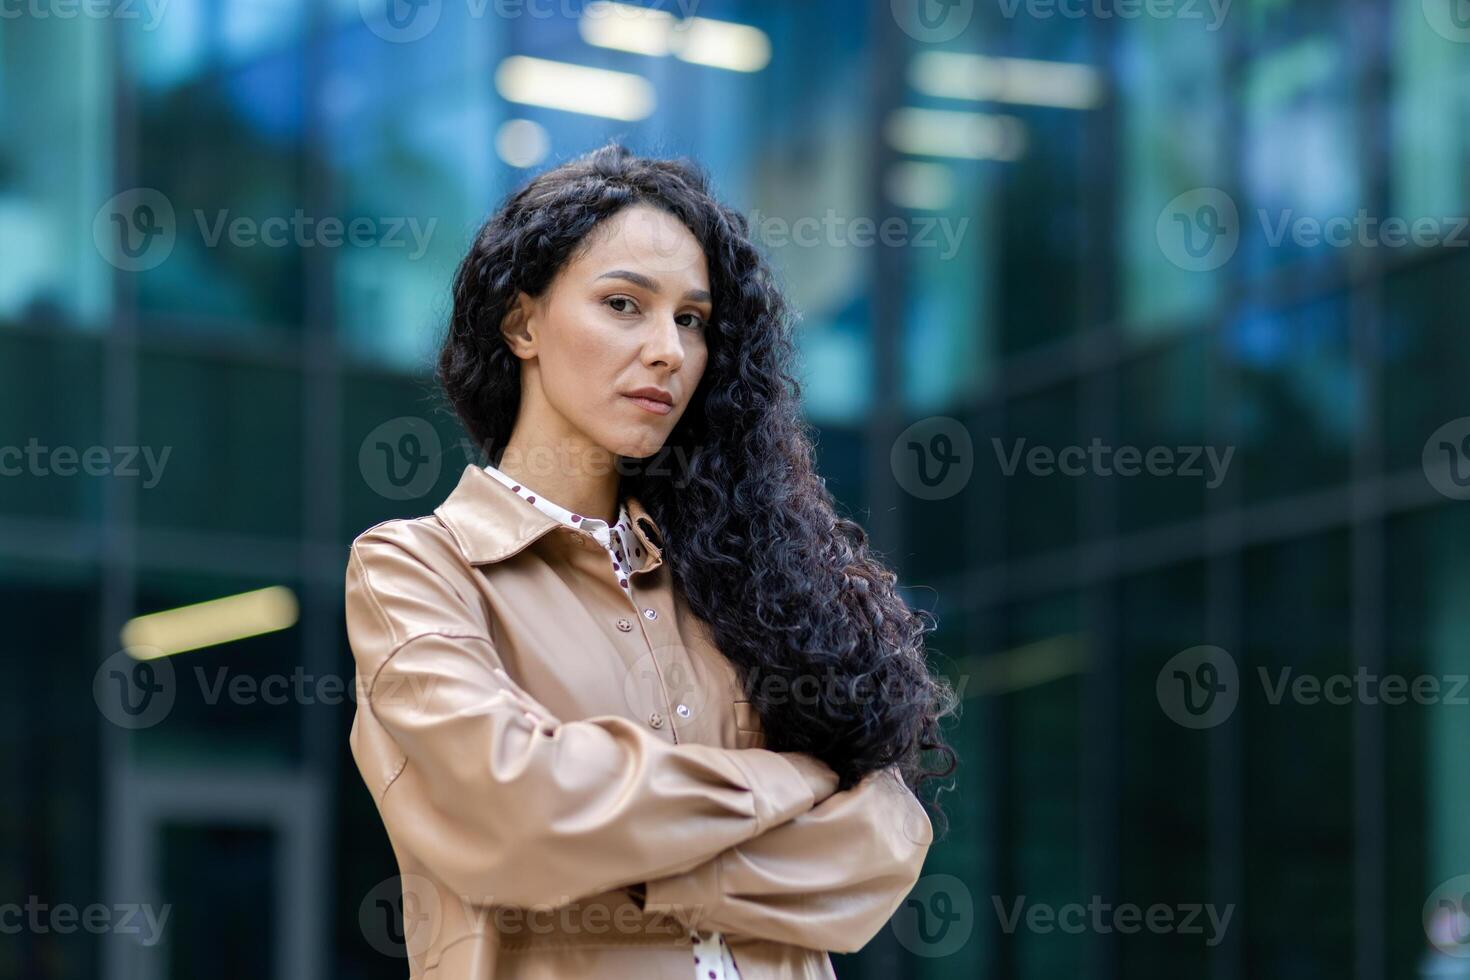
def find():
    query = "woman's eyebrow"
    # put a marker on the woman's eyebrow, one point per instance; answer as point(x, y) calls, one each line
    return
point(639, 279)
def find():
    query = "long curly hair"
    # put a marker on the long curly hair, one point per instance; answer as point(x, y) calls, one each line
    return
point(792, 593)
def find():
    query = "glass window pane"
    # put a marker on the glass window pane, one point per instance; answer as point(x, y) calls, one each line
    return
point(1298, 808)
point(948, 347)
point(55, 169)
point(231, 460)
point(220, 884)
point(1163, 405)
point(1043, 801)
point(1165, 792)
point(220, 220)
point(400, 456)
point(51, 810)
point(1427, 796)
point(52, 461)
point(1172, 112)
point(1041, 499)
point(1430, 132)
point(1301, 167)
point(1300, 400)
point(1425, 350)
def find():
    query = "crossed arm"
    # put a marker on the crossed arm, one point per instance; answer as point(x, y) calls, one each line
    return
point(826, 879)
point(507, 805)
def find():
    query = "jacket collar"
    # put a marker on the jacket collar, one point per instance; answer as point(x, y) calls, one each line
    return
point(491, 523)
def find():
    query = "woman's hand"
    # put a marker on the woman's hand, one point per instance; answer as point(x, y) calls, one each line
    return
point(819, 776)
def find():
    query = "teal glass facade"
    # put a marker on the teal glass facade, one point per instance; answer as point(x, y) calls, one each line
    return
point(227, 230)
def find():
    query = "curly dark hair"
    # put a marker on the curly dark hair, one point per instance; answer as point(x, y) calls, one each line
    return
point(790, 589)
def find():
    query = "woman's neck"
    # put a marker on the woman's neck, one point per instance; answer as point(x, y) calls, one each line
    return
point(584, 481)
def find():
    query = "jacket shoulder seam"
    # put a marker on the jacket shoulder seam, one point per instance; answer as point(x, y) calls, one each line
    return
point(372, 594)
point(449, 632)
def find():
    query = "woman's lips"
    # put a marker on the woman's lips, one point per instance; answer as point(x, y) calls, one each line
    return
point(649, 405)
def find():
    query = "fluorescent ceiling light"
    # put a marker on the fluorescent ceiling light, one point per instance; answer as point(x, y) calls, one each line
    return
point(721, 44)
point(962, 135)
point(206, 624)
point(1020, 81)
point(920, 186)
point(625, 27)
point(1032, 665)
point(658, 33)
point(574, 88)
point(522, 143)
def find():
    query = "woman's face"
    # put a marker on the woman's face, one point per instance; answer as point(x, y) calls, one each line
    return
point(614, 349)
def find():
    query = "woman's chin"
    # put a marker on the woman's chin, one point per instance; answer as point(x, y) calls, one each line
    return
point(639, 445)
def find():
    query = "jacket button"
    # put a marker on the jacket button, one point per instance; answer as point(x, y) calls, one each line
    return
point(625, 625)
point(656, 720)
point(650, 613)
point(683, 711)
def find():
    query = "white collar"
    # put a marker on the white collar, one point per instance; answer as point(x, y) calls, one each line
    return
point(618, 538)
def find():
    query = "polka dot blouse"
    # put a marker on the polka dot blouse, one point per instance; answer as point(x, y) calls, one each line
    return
point(712, 957)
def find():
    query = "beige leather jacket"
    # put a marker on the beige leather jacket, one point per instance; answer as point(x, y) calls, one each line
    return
point(539, 747)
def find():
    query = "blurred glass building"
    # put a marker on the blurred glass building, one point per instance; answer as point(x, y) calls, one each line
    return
point(1025, 236)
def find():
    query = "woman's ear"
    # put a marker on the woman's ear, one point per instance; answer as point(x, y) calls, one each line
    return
point(518, 327)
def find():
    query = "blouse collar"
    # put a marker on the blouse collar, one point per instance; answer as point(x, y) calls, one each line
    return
point(491, 523)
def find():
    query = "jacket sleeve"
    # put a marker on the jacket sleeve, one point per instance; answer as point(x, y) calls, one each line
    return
point(501, 801)
point(828, 879)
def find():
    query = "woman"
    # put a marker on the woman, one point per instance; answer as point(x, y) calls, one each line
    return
point(634, 701)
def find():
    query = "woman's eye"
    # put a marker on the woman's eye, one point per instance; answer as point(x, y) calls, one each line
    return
point(696, 321)
point(620, 299)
